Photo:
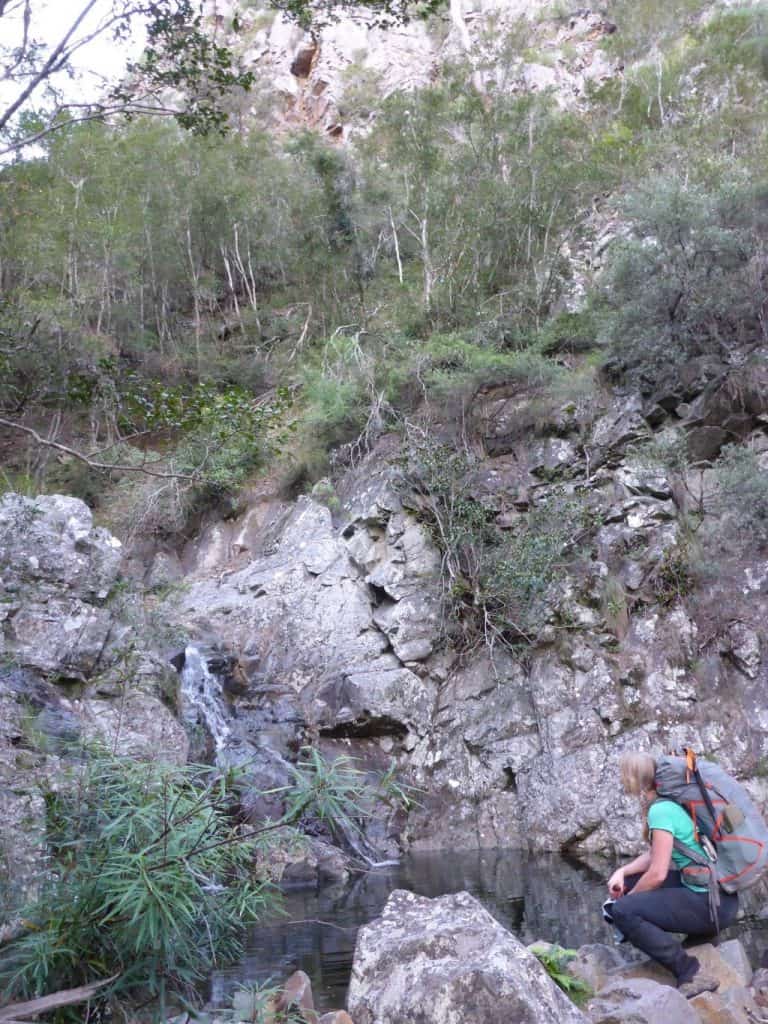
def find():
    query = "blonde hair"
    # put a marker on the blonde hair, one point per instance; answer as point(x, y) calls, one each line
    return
point(638, 773)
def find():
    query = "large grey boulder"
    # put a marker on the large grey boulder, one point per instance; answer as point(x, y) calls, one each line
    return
point(56, 574)
point(447, 961)
point(641, 1001)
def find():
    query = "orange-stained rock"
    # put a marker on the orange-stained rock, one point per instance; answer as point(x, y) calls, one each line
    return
point(735, 1006)
point(708, 956)
point(297, 992)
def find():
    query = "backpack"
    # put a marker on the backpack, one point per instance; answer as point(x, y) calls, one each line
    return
point(725, 819)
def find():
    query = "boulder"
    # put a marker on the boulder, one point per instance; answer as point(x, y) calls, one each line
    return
point(736, 1006)
point(621, 425)
point(594, 964)
point(710, 958)
point(447, 961)
point(165, 571)
point(641, 1001)
point(56, 573)
point(760, 986)
point(296, 995)
point(313, 863)
point(734, 954)
point(136, 725)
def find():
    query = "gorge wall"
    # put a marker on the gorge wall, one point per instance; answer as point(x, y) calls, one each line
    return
point(331, 80)
point(325, 626)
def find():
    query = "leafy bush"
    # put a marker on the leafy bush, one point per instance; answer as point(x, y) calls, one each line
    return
point(674, 576)
point(743, 493)
point(152, 879)
point(683, 282)
point(495, 581)
point(230, 434)
point(555, 960)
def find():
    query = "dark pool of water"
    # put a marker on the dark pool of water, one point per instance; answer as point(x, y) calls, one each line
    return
point(536, 896)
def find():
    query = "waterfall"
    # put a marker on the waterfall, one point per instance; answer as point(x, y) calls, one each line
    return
point(202, 698)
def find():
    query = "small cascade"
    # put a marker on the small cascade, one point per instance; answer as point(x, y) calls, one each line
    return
point(202, 698)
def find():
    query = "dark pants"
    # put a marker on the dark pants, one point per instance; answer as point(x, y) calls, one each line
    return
point(648, 919)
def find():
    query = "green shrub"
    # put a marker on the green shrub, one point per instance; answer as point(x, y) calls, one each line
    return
point(742, 493)
point(682, 284)
point(674, 578)
point(152, 879)
point(555, 960)
point(496, 581)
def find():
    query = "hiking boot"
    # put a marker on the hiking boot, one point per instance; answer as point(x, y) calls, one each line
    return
point(700, 982)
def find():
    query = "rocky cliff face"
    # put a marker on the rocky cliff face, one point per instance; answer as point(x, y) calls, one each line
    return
point(335, 622)
point(326, 628)
point(76, 662)
point(512, 46)
point(322, 621)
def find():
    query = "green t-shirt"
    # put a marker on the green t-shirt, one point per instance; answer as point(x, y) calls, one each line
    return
point(667, 816)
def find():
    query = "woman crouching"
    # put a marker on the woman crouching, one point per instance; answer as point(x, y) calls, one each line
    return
point(653, 899)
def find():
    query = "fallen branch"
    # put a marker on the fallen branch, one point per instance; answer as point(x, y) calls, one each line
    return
point(65, 997)
point(105, 467)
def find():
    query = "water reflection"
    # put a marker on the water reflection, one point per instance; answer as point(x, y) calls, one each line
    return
point(540, 896)
point(537, 896)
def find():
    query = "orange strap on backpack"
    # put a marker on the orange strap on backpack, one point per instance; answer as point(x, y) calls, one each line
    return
point(690, 763)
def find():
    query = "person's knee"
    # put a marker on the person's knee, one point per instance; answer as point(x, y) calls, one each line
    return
point(621, 912)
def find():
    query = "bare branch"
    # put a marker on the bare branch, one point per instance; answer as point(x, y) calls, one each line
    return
point(10, 6)
point(48, 67)
point(65, 997)
point(101, 114)
point(106, 467)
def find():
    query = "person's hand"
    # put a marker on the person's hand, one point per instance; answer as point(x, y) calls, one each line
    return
point(616, 883)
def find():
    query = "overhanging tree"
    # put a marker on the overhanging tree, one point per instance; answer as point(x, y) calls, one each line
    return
point(181, 58)
point(184, 71)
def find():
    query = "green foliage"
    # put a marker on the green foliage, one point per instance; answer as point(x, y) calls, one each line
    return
point(478, 196)
point(519, 575)
point(497, 582)
point(181, 55)
point(152, 879)
point(424, 260)
point(339, 793)
point(555, 960)
point(180, 58)
point(257, 1004)
point(615, 607)
point(646, 25)
point(673, 578)
point(569, 332)
point(682, 284)
point(449, 362)
point(382, 13)
point(743, 493)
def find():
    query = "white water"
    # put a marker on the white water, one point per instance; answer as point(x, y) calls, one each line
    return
point(202, 698)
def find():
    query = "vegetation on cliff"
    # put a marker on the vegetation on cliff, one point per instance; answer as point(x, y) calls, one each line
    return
point(194, 308)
